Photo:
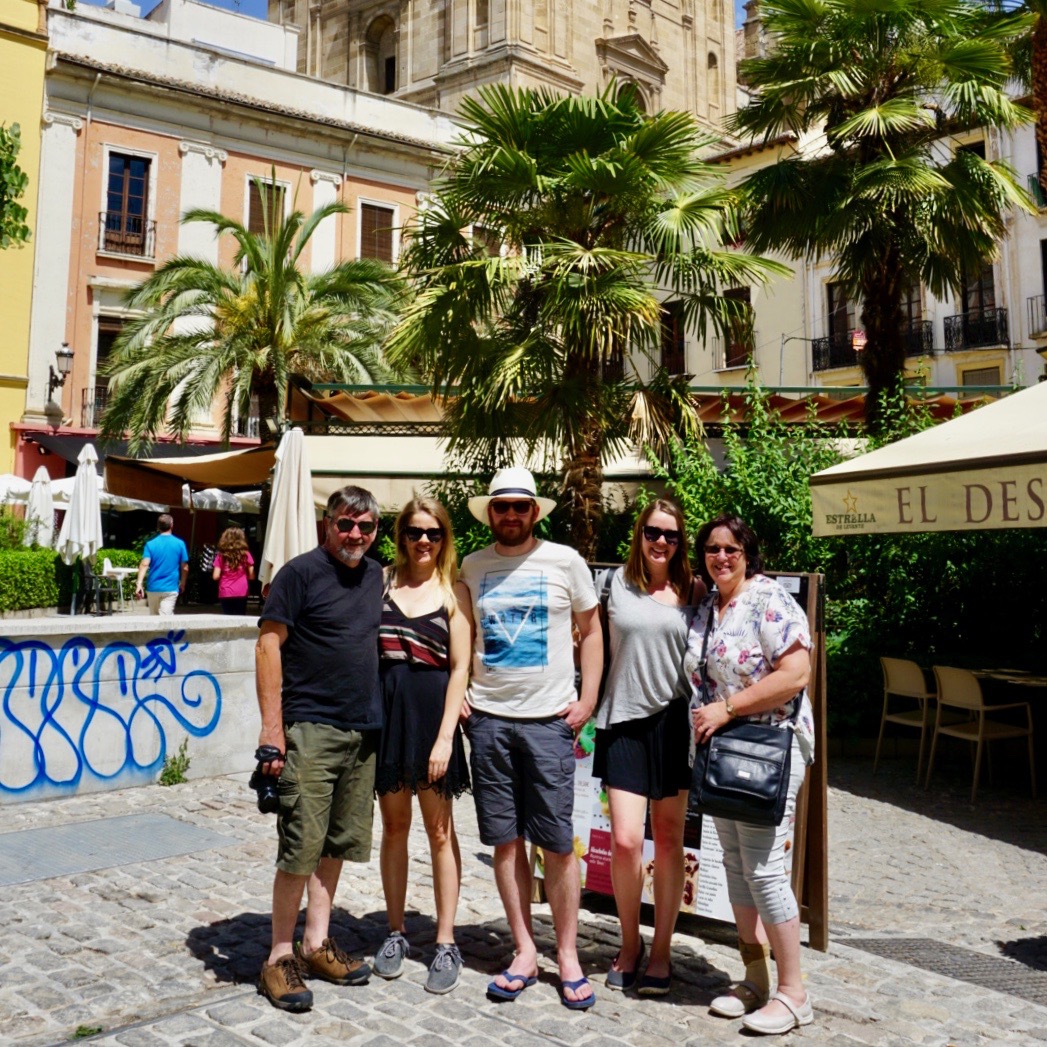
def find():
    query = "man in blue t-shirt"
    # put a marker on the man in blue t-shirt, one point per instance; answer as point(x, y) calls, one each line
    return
point(166, 560)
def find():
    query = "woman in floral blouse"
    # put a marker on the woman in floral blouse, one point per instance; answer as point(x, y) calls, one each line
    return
point(758, 665)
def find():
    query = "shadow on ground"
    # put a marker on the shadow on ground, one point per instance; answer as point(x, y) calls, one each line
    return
point(1002, 811)
point(234, 949)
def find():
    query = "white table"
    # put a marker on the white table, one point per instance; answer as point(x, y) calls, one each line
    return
point(120, 573)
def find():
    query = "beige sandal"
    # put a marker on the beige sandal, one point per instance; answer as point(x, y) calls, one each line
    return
point(743, 998)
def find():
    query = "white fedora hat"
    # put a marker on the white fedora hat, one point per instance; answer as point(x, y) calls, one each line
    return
point(510, 483)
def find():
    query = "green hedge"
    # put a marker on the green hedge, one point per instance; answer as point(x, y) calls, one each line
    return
point(28, 579)
point(38, 577)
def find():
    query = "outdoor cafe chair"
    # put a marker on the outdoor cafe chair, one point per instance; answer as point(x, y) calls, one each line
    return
point(961, 689)
point(904, 679)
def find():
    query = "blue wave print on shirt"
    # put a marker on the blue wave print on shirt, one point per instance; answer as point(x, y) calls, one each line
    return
point(514, 619)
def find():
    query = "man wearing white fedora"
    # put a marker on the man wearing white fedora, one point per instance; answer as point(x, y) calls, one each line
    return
point(522, 595)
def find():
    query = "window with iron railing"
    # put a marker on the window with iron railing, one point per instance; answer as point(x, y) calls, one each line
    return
point(976, 329)
point(124, 225)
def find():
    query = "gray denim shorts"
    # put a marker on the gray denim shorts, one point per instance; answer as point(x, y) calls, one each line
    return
point(523, 780)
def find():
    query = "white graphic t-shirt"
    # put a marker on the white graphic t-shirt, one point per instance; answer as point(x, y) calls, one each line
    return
point(523, 659)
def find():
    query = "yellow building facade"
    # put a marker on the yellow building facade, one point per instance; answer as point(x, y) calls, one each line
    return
point(23, 54)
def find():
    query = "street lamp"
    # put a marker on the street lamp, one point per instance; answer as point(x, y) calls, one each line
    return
point(56, 379)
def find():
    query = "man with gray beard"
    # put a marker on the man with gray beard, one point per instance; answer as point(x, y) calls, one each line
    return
point(316, 670)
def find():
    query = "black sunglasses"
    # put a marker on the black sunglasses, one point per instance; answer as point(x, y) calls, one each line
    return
point(520, 508)
point(414, 534)
point(728, 550)
point(652, 534)
point(344, 526)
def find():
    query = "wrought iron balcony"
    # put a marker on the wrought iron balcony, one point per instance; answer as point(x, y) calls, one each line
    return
point(976, 329)
point(735, 351)
point(835, 350)
point(1037, 306)
point(918, 338)
point(93, 403)
point(122, 233)
point(838, 350)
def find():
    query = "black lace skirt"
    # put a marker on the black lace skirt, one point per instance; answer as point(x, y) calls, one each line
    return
point(413, 704)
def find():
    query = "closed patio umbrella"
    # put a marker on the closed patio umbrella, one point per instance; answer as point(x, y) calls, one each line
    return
point(81, 533)
point(291, 528)
point(40, 512)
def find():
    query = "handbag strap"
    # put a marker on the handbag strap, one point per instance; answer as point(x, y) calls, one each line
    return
point(705, 651)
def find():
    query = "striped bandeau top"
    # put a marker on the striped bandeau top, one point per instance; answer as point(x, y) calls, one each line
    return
point(423, 640)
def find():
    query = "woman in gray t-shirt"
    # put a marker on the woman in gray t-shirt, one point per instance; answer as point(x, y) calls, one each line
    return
point(643, 735)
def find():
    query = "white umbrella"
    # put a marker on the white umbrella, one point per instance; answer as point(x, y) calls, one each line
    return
point(62, 492)
point(81, 534)
point(981, 471)
point(213, 499)
point(13, 488)
point(291, 528)
point(40, 513)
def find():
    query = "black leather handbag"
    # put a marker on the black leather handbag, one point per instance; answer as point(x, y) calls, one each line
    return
point(742, 771)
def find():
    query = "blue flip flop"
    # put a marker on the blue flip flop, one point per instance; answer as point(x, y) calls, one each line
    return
point(496, 992)
point(576, 1005)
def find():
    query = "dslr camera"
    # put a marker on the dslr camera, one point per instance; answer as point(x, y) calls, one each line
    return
point(265, 785)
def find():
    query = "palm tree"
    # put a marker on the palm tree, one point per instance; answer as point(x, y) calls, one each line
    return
point(207, 333)
point(537, 262)
point(880, 193)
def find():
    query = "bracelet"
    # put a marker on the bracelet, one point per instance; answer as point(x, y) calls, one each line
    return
point(731, 713)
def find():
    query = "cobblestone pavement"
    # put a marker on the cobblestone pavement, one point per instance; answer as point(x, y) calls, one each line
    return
point(937, 916)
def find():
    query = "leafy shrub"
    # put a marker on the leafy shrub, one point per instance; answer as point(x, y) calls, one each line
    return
point(12, 530)
point(28, 579)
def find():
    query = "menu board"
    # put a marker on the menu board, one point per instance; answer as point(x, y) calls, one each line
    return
point(705, 885)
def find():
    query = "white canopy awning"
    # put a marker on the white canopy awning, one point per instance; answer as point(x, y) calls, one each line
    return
point(985, 470)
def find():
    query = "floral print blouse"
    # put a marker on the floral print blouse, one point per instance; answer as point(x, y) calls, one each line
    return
point(751, 633)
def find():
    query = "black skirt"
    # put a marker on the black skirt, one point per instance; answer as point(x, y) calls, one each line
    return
point(413, 703)
point(647, 757)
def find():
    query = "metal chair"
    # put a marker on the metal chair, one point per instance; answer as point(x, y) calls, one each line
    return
point(961, 689)
point(98, 591)
point(904, 679)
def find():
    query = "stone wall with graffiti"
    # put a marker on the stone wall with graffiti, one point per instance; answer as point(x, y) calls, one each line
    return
point(88, 704)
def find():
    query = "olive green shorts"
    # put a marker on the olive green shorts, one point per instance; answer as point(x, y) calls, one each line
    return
point(326, 796)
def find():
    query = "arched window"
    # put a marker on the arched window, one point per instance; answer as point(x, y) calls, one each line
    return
point(381, 56)
point(714, 79)
point(630, 90)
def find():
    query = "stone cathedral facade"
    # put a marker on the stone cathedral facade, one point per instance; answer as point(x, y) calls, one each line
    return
point(679, 54)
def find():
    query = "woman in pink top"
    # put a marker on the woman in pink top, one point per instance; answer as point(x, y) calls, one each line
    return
point(233, 569)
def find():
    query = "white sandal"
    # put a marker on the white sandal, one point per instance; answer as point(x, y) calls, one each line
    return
point(741, 999)
point(774, 1025)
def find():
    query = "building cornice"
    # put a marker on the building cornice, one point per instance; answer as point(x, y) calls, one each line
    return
point(256, 105)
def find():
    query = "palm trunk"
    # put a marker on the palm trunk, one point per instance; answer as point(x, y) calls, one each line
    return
point(883, 359)
point(583, 491)
point(1039, 95)
point(583, 465)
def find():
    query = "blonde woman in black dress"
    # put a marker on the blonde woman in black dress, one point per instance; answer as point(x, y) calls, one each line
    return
point(424, 645)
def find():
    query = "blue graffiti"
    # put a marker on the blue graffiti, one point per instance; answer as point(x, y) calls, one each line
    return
point(80, 712)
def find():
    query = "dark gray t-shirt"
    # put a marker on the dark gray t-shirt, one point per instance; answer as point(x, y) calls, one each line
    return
point(648, 642)
point(330, 657)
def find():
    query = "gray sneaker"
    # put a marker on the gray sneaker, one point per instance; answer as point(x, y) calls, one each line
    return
point(389, 960)
point(445, 970)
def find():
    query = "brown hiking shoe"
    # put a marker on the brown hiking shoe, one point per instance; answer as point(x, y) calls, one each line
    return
point(332, 964)
point(281, 983)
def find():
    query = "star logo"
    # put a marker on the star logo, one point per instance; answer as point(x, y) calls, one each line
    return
point(851, 503)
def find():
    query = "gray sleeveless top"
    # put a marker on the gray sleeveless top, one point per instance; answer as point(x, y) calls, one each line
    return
point(648, 641)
